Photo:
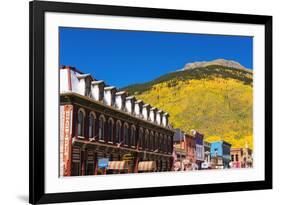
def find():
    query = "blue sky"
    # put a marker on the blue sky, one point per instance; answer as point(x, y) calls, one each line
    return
point(121, 58)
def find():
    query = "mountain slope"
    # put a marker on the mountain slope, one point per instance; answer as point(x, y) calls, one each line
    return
point(208, 72)
point(217, 62)
point(215, 100)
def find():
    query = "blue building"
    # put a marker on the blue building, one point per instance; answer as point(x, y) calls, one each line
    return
point(199, 148)
point(220, 154)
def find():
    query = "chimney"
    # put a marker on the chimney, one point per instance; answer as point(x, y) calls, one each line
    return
point(98, 90)
point(159, 117)
point(109, 95)
point(138, 108)
point(152, 114)
point(145, 111)
point(165, 119)
point(120, 99)
point(130, 104)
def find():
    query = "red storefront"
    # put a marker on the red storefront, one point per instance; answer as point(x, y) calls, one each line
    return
point(91, 130)
point(190, 149)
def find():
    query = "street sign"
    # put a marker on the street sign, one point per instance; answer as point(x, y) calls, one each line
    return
point(103, 162)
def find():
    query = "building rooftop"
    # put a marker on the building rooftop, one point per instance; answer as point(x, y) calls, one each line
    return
point(75, 87)
point(130, 97)
point(110, 88)
point(97, 82)
point(146, 105)
point(139, 101)
point(121, 93)
point(222, 142)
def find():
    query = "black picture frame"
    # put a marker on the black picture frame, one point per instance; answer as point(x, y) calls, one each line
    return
point(37, 193)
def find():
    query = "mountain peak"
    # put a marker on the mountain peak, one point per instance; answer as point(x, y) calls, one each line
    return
point(220, 62)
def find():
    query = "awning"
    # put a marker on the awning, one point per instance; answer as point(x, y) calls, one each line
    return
point(117, 165)
point(147, 166)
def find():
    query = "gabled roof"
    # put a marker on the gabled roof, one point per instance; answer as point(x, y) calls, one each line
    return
point(80, 76)
point(147, 105)
point(139, 102)
point(97, 82)
point(130, 97)
point(121, 93)
point(110, 88)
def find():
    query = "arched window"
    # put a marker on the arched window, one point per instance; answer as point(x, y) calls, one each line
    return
point(118, 131)
point(80, 123)
point(110, 130)
point(169, 145)
point(146, 140)
point(133, 136)
point(92, 122)
point(156, 142)
point(151, 141)
point(126, 134)
point(140, 138)
point(165, 144)
point(101, 127)
point(160, 142)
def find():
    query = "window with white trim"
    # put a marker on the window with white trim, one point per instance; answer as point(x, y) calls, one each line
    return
point(126, 134)
point(118, 132)
point(101, 127)
point(110, 130)
point(80, 123)
point(92, 121)
point(133, 136)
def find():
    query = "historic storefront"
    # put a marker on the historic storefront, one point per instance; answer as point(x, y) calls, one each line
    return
point(184, 151)
point(207, 155)
point(220, 154)
point(105, 131)
point(241, 157)
point(199, 147)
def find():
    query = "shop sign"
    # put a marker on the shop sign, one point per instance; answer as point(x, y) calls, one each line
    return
point(205, 165)
point(103, 162)
point(67, 139)
point(127, 157)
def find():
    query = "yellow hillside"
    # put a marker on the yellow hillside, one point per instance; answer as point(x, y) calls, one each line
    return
point(221, 108)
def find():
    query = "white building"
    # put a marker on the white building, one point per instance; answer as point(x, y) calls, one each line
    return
point(73, 80)
point(98, 121)
point(138, 108)
point(109, 95)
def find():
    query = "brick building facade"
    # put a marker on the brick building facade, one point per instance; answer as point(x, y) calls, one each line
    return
point(101, 125)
